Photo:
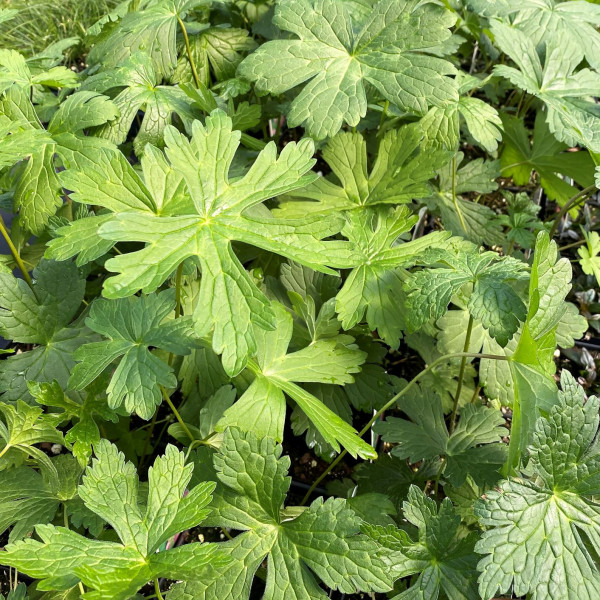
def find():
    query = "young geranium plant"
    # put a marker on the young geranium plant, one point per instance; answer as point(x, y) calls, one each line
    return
point(290, 300)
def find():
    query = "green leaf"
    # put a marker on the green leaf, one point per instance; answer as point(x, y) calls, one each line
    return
point(469, 219)
point(544, 155)
point(28, 498)
point(589, 255)
point(83, 434)
point(441, 125)
point(15, 72)
point(41, 318)
point(229, 303)
point(23, 427)
point(116, 570)
point(132, 326)
point(522, 220)
point(38, 193)
point(375, 284)
point(532, 364)
point(493, 301)
point(217, 50)
point(134, 87)
point(570, 116)
point(442, 557)
point(576, 22)
point(262, 407)
point(20, 592)
point(399, 174)
point(153, 29)
point(471, 449)
point(548, 517)
point(390, 49)
point(322, 543)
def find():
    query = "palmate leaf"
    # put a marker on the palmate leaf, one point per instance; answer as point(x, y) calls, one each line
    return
point(548, 517)
point(41, 318)
point(134, 87)
point(375, 285)
point(113, 570)
point(38, 193)
point(546, 156)
point(217, 50)
point(109, 180)
point(28, 498)
point(391, 49)
point(85, 432)
point(15, 71)
point(441, 125)
point(262, 407)
point(23, 427)
point(442, 557)
point(494, 302)
point(590, 255)
point(471, 449)
point(132, 326)
point(522, 219)
point(152, 29)
point(229, 303)
point(400, 174)
point(571, 116)
point(323, 542)
point(539, 20)
point(471, 220)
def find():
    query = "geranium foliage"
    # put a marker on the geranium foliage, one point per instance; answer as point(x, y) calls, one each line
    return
point(299, 300)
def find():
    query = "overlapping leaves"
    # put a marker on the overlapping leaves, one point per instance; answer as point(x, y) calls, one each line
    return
point(41, 316)
point(322, 543)
point(548, 517)
point(230, 305)
point(132, 326)
point(116, 570)
point(391, 49)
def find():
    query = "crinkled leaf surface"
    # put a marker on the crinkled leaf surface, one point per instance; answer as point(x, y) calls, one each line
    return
point(576, 22)
point(548, 517)
point(217, 52)
point(42, 319)
point(87, 411)
point(135, 86)
point(571, 117)
point(494, 302)
point(113, 570)
point(152, 28)
point(442, 557)
point(322, 543)
point(133, 325)
point(471, 449)
point(390, 49)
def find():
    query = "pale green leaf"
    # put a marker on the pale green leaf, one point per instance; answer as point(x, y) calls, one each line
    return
point(322, 543)
point(390, 49)
point(549, 516)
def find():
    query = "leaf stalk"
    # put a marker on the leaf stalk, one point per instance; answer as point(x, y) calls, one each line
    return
point(391, 403)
